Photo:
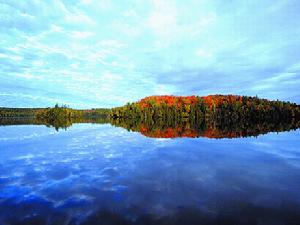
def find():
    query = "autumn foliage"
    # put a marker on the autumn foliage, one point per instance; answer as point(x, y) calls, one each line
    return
point(211, 106)
point(173, 111)
point(215, 130)
point(168, 100)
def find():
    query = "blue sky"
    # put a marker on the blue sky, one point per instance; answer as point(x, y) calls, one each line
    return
point(101, 53)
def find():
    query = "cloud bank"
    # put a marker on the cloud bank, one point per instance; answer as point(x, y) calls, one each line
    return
point(92, 53)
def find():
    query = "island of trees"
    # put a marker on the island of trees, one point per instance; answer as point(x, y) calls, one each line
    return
point(212, 107)
point(213, 116)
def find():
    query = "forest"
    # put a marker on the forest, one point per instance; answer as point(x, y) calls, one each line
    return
point(174, 116)
point(213, 116)
point(209, 108)
point(51, 113)
point(59, 117)
point(18, 112)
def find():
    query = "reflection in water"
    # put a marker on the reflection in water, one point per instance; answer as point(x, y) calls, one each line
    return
point(101, 174)
point(209, 129)
point(170, 129)
point(63, 123)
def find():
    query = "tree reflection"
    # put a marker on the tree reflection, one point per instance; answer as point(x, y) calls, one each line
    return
point(57, 124)
point(160, 128)
point(210, 129)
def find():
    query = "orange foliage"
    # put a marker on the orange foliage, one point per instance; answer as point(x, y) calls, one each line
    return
point(221, 99)
point(168, 132)
point(179, 101)
point(169, 100)
point(190, 133)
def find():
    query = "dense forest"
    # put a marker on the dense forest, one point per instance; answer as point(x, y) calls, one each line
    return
point(210, 108)
point(214, 116)
point(175, 108)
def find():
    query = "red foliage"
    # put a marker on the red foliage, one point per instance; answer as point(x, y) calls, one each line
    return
point(168, 132)
point(221, 99)
point(188, 132)
point(179, 101)
point(168, 100)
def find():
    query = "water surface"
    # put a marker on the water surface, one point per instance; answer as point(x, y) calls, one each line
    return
point(101, 174)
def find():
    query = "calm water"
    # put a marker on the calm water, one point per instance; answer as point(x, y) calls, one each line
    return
point(100, 174)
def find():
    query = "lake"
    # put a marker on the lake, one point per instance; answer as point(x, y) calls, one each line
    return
point(102, 174)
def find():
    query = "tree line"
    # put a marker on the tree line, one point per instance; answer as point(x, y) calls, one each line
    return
point(208, 108)
point(55, 112)
point(59, 117)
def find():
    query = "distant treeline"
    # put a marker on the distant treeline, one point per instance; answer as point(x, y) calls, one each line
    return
point(59, 117)
point(54, 113)
point(19, 112)
point(210, 108)
point(64, 117)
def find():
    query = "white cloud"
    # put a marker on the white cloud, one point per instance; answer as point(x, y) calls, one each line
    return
point(75, 16)
point(11, 57)
point(81, 34)
point(276, 81)
point(110, 77)
point(27, 76)
point(79, 18)
point(86, 2)
point(204, 53)
point(123, 52)
point(111, 43)
point(163, 19)
point(55, 28)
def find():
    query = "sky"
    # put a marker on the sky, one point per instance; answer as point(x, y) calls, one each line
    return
point(101, 53)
